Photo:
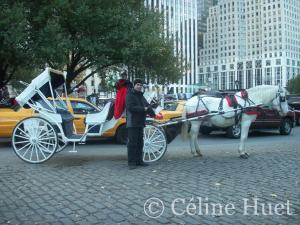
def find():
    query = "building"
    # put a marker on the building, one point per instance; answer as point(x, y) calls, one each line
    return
point(93, 84)
point(181, 26)
point(203, 7)
point(202, 13)
point(251, 41)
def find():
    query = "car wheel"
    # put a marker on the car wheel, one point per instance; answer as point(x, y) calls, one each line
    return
point(122, 135)
point(205, 130)
point(234, 132)
point(286, 127)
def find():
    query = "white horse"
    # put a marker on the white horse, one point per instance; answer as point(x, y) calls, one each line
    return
point(259, 95)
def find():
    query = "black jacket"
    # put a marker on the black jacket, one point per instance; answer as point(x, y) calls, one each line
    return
point(135, 109)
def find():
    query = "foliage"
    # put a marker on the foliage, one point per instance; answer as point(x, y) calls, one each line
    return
point(294, 85)
point(14, 50)
point(86, 34)
point(99, 34)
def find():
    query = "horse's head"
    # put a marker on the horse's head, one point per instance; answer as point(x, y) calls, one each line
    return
point(279, 102)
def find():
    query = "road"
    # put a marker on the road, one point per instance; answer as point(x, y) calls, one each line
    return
point(94, 185)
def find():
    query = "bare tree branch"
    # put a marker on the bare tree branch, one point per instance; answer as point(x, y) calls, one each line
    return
point(88, 76)
point(83, 67)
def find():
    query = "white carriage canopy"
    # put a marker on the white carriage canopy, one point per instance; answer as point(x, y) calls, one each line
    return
point(46, 83)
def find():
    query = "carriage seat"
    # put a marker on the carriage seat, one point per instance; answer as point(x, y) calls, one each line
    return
point(99, 117)
point(111, 110)
point(67, 122)
point(66, 117)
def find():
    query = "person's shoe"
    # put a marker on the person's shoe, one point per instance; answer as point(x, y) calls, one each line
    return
point(131, 167)
point(142, 164)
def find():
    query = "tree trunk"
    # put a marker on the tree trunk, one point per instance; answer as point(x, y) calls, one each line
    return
point(71, 75)
point(5, 76)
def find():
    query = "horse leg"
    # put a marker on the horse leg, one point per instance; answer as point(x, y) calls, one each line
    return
point(195, 133)
point(192, 138)
point(245, 125)
point(192, 145)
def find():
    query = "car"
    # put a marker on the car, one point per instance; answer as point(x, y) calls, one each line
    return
point(9, 119)
point(294, 102)
point(268, 118)
point(172, 110)
point(79, 107)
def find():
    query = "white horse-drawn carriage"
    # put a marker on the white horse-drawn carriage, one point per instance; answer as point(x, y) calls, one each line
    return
point(36, 139)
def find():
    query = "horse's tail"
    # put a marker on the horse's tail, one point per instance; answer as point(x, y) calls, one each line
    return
point(184, 127)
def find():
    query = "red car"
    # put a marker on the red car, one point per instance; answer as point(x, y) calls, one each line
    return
point(268, 119)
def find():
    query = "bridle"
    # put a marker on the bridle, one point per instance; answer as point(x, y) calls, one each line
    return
point(282, 98)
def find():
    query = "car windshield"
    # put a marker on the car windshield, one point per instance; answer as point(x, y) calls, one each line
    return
point(83, 107)
point(61, 104)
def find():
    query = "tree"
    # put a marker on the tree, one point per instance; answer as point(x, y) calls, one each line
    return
point(14, 51)
point(98, 34)
point(152, 53)
point(294, 85)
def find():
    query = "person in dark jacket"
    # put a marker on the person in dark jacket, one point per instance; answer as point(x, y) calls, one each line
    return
point(137, 108)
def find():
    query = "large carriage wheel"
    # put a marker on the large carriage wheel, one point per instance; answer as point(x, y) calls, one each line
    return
point(155, 143)
point(34, 140)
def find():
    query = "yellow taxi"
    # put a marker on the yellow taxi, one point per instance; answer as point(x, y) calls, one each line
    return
point(9, 119)
point(79, 108)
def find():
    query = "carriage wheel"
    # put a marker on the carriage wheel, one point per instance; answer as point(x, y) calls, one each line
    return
point(155, 143)
point(34, 140)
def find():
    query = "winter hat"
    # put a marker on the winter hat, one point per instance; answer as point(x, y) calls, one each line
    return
point(123, 75)
point(138, 80)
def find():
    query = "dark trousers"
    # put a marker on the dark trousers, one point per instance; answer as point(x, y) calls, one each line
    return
point(135, 145)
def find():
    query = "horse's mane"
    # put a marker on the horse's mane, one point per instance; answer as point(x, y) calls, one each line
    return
point(262, 93)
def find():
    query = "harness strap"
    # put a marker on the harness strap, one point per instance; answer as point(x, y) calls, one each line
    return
point(221, 104)
point(201, 99)
point(202, 112)
point(235, 105)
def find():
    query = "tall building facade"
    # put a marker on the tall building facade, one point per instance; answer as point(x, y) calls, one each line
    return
point(202, 13)
point(180, 18)
point(252, 42)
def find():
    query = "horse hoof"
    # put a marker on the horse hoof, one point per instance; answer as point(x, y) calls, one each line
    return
point(199, 156)
point(244, 156)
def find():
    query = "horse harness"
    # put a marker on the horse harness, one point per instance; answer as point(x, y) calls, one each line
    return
point(232, 102)
point(281, 98)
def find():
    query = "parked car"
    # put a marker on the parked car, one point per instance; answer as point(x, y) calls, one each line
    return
point(267, 119)
point(172, 110)
point(79, 107)
point(294, 102)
